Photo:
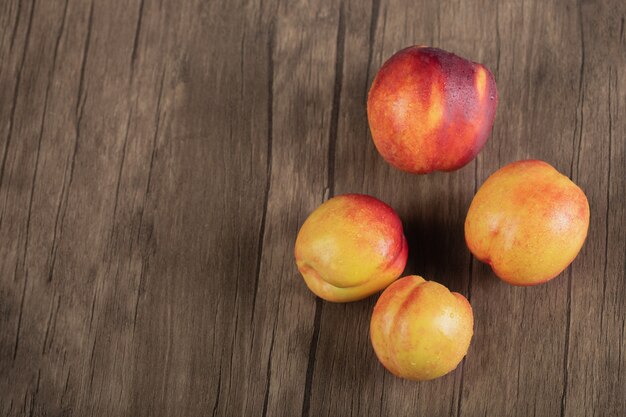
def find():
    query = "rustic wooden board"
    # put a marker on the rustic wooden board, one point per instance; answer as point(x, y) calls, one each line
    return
point(158, 158)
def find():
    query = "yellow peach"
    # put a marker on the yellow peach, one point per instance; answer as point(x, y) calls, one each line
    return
point(419, 329)
point(351, 247)
point(528, 222)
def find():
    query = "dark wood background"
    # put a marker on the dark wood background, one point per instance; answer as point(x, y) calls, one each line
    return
point(158, 158)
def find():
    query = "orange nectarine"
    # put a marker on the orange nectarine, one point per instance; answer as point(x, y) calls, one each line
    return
point(419, 329)
point(527, 221)
point(351, 247)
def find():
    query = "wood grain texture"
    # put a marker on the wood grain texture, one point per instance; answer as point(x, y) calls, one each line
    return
point(158, 157)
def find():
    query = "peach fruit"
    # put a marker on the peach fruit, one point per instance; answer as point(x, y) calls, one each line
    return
point(419, 329)
point(430, 110)
point(528, 222)
point(350, 247)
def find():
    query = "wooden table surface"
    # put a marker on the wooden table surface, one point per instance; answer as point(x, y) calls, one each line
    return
point(158, 158)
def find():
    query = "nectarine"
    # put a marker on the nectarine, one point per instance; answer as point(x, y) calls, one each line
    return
point(527, 221)
point(350, 247)
point(419, 329)
point(430, 110)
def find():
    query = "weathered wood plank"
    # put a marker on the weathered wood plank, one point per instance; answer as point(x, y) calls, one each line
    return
point(118, 265)
point(286, 316)
point(515, 366)
point(157, 159)
point(596, 364)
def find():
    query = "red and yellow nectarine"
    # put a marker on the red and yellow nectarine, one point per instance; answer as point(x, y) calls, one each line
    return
point(350, 247)
point(419, 329)
point(527, 221)
point(430, 110)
